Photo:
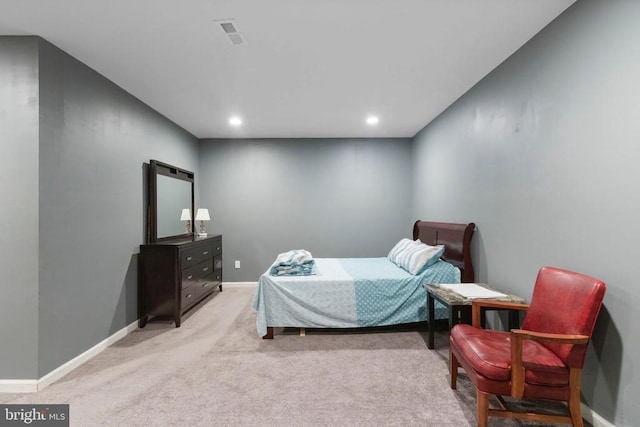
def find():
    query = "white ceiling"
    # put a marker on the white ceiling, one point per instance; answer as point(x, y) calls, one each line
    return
point(310, 68)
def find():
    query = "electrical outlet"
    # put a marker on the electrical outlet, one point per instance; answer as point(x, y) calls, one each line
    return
point(237, 263)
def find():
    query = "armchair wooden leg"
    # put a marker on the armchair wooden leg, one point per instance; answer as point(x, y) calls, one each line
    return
point(483, 409)
point(574, 398)
point(453, 370)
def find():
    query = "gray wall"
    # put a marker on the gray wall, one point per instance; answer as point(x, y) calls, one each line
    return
point(333, 197)
point(87, 183)
point(543, 156)
point(19, 213)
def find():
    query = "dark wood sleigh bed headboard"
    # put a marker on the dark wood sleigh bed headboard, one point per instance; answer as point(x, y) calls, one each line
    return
point(456, 239)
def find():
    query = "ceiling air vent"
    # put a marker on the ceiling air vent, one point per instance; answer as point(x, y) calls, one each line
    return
point(230, 29)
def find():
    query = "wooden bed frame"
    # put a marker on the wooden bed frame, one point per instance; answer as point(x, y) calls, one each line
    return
point(457, 241)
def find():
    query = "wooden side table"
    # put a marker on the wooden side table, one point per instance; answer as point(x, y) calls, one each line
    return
point(459, 307)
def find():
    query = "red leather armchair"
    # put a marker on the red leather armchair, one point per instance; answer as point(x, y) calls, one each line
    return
point(543, 359)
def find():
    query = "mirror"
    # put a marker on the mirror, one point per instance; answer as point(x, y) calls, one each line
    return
point(171, 190)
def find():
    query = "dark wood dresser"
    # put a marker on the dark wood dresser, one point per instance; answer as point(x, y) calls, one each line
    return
point(176, 274)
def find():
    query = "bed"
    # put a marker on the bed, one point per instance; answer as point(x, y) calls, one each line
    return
point(364, 292)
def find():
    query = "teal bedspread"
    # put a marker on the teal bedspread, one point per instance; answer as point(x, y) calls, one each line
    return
point(347, 293)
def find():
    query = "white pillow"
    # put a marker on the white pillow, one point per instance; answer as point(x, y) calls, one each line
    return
point(417, 256)
point(398, 249)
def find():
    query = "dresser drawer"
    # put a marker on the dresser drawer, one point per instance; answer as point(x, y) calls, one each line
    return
point(195, 254)
point(216, 246)
point(189, 296)
point(205, 286)
point(193, 274)
point(217, 269)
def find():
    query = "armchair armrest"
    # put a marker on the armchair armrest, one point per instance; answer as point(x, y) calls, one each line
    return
point(517, 337)
point(477, 305)
point(520, 334)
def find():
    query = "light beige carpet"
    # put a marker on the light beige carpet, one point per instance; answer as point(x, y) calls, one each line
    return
point(215, 371)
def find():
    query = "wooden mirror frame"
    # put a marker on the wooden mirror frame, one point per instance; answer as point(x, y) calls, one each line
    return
point(158, 168)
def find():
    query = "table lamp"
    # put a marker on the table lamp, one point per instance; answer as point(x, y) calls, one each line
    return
point(202, 215)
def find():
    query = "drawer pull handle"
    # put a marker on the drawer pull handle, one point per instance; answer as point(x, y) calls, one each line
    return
point(189, 295)
point(205, 269)
point(190, 276)
point(217, 249)
point(205, 252)
point(217, 277)
point(205, 285)
point(188, 258)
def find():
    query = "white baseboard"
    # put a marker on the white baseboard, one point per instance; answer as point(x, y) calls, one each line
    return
point(32, 386)
point(18, 386)
point(239, 284)
point(593, 418)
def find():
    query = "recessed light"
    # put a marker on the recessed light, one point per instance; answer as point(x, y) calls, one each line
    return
point(372, 120)
point(235, 121)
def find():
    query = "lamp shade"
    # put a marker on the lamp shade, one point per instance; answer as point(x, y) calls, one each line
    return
point(186, 215)
point(202, 215)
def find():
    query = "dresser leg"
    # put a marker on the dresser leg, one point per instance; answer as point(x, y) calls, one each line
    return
point(142, 322)
point(220, 287)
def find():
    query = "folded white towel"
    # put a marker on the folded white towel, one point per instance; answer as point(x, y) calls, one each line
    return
point(296, 262)
point(293, 257)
